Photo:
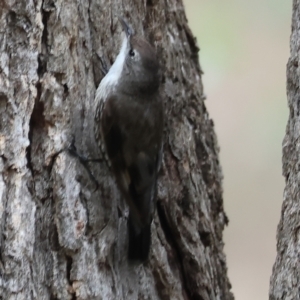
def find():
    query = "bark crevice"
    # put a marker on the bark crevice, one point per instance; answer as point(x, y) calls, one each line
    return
point(74, 236)
point(169, 235)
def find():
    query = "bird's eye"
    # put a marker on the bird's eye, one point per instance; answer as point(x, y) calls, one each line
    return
point(131, 53)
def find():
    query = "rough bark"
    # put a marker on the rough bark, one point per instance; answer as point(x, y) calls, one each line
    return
point(61, 238)
point(285, 279)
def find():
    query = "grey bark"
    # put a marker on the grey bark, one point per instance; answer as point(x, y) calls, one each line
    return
point(285, 279)
point(61, 238)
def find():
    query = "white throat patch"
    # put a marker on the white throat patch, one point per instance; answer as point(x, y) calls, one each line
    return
point(114, 73)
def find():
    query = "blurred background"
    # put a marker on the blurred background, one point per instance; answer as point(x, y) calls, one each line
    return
point(244, 50)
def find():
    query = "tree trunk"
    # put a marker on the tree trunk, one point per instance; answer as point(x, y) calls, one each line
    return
point(285, 279)
point(61, 236)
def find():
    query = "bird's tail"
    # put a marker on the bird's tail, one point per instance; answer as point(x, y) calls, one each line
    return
point(139, 241)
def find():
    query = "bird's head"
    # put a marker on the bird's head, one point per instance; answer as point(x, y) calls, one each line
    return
point(138, 61)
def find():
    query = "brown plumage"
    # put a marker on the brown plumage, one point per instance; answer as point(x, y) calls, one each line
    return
point(132, 131)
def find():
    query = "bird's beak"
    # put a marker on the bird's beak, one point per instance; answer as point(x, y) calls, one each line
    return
point(127, 29)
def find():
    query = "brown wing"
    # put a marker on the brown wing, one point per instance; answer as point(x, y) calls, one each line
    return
point(114, 142)
point(132, 133)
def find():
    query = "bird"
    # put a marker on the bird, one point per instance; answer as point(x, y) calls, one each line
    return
point(129, 121)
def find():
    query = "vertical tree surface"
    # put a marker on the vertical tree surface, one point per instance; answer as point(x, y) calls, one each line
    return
point(285, 280)
point(61, 237)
